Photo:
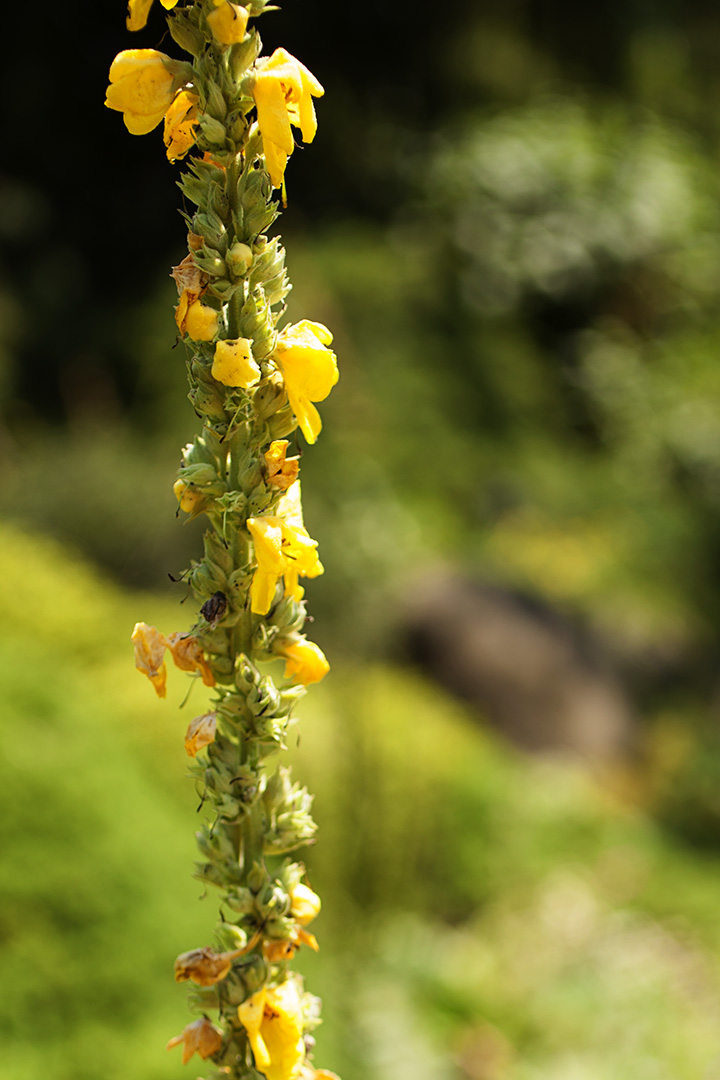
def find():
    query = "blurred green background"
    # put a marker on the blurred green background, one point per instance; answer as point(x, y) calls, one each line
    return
point(510, 218)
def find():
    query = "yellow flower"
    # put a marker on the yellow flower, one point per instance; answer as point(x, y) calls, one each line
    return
point(283, 92)
point(191, 500)
point(306, 662)
point(281, 550)
point(228, 22)
point(282, 471)
point(201, 1038)
point(150, 647)
point(204, 967)
point(194, 318)
point(200, 733)
point(180, 124)
point(234, 365)
point(138, 11)
point(274, 1024)
point(304, 903)
point(309, 369)
point(187, 654)
point(141, 88)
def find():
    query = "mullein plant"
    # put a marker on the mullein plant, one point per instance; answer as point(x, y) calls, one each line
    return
point(231, 112)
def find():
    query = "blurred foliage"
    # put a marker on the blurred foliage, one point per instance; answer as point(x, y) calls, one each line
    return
point(515, 918)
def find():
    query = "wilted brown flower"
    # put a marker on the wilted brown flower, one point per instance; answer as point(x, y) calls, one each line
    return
point(201, 1038)
point(200, 733)
point(188, 656)
point(204, 966)
point(150, 647)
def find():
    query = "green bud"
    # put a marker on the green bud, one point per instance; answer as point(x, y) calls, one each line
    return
point(254, 974)
point(215, 104)
point(223, 289)
point(217, 553)
point(244, 53)
point(209, 874)
point(241, 900)
point(215, 846)
point(230, 937)
point(207, 223)
point(207, 401)
point(198, 452)
point(236, 124)
point(199, 475)
point(186, 34)
point(255, 197)
point(210, 262)
point(269, 396)
point(264, 699)
point(204, 999)
point(277, 288)
point(193, 189)
point(203, 582)
point(257, 877)
point(218, 200)
point(213, 131)
point(289, 614)
point(282, 423)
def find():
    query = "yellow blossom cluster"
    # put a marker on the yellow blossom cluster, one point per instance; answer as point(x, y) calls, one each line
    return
point(237, 115)
point(142, 87)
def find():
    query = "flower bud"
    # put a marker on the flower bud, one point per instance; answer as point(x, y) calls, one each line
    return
point(213, 131)
point(305, 661)
point(304, 903)
point(228, 22)
point(277, 952)
point(191, 500)
point(239, 259)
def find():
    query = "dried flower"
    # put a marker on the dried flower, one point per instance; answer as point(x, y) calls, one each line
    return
point(282, 471)
point(201, 1038)
point(200, 733)
point(204, 966)
point(188, 655)
point(150, 647)
point(188, 275)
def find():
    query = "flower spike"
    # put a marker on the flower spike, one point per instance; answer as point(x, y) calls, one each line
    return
point(230, 117)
